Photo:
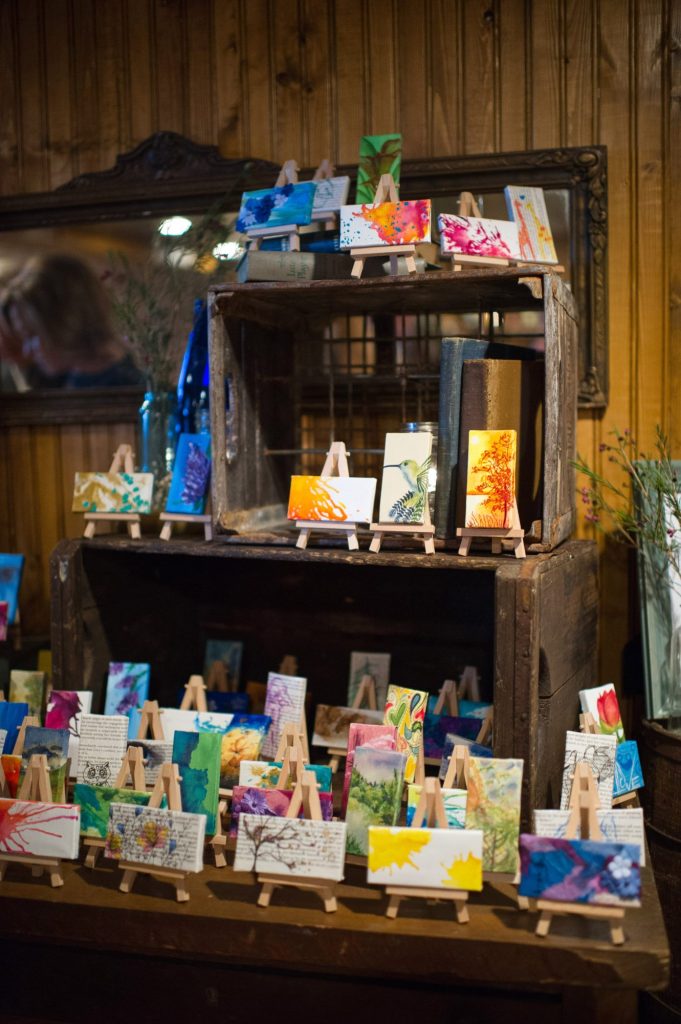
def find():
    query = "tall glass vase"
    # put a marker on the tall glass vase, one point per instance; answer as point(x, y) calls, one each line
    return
point(159, 429)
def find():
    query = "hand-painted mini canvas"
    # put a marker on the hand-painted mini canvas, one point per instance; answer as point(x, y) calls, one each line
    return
point(369, 663)
point(197, 755)
point(95, 801)
point(174, 719)
point(191, 473)
point(490, 483)
point(628, 772)
point(405, 710)
point(277, 207)
point(156, 837)
point(54, 745)
point(155, 753)
point(242, 741)
point(602, 703)
point(4, 618)
point(332, 724)
point(222, 666)
point(407, 466)
point(103, 742)
point(375, 796)
point(436, 728)
point(474, 749)
point(127, 687)
point(331, 499)
point(12, 714)
point(64, 709)
point(271, 802)
point(378, 737)
point(527, 206)
point(285, 704)
point(265, 775)
point(429, 858)
point(28, 688)
point(402, 223)
point(378, 154)
point(474, 708)
point(330, 195)
point(597, 751)
point(11, 568)
point(625, 826)
point(113, 492)
point(580, 871)
point(290, 846)
point(453, 799)
point(11, 766)
point(478, 236)
point(493, 805)
point(39, 830)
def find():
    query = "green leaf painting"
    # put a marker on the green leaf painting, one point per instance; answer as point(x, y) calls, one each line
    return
point(378, 154)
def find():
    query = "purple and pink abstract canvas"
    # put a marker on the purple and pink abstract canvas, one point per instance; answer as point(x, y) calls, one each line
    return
point(478, 236)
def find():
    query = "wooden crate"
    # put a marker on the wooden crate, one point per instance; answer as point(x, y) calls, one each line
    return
point(530, 626)
point(268, 340)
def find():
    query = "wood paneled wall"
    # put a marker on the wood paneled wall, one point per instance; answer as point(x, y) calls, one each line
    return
point(82, 80)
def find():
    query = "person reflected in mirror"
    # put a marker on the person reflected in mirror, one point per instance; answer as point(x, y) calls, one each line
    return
point(55, 328)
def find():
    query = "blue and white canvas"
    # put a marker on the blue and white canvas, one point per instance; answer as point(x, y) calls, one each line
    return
point(188, 488)
point(628, 773)
point(11, 568)
point(127, 688)
point(277, 207)
point(12, 714)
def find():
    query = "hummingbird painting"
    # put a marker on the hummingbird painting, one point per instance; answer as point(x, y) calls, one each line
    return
point(410, 507)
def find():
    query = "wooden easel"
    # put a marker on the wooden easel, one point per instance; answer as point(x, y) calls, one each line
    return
point(131, 770)
point(584, 802)
point(447, 696)
point(336, 464)
point(292, 767)
point(513, 533)
point(458, 768)
point(169, 518)
point(424, 531)
point(366, 691)
point(288, 175)
point(386, 192)
point(122, 463)
point(35, 787)
point(587, 723)
point(168, 783)
point(305, 795)
point(430, 811)
point(288, 665)
point(293, 735)
point(21, 735)
point(469, 684)
point(150, 721)
point(468, 207)
point(194, 695)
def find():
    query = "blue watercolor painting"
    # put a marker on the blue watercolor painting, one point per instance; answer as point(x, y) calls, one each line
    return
point(11, 568)
point(197, 755)
point(188, 488)
point(12, 714)
point(277, 207)
point(437, 727)
point(580, 871)
point(127, 688)
point(628, 772)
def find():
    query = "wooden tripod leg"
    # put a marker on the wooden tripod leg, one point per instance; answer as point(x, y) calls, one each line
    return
point(89, 530)
point(411, 264)
point(376, 542)
point(334, 763)
point(616, 931)
point(266, 894)
point(93, 853)
point(523, 903)
point(393, 906)
point(519, 547)
point(465, 545)
point(461, 911)
point(128, 880)
point(181, 890)
point(429, 545)
point(496, 546)
point(328, 898)
point(544, 923)
point(353, 542)
point(166, 531)
point(134, 531)
point(357, 267)
point(57, 879)
point(303, 538)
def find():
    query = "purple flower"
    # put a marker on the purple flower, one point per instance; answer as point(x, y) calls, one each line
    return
point(254, 801)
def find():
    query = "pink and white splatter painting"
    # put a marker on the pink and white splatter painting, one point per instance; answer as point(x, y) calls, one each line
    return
point(40, 829)
point(478, 236)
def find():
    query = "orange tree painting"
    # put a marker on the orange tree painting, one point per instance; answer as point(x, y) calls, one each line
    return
point(490, 488)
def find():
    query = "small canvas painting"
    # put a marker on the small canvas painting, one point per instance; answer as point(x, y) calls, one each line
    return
point(527, 206)
point(30, 828)
point(189, 720)
point(628, 772)
point(113, 492)
point(28, 688)
point(285, 704)
point(265, 775)
point(617, 826)
point(103, 741)
point(330, 195)
point(273, 803)
point(191, 473)
point(295, 847)
point(331, 499)
point(4, 619)
point(493, 805)
point(155, 753)
point(378, 737)
point(490, 483)
point(156, 837)
point(369, 663)
point(436, 728)
point(64, 710)
point(375, 796)
point(602, 703)
point(197, 754)
point(453, 799)
point(378, 155)
point(332, 724)
point(242, 741)
point(222, 666)
point(385, 224)
point(599, 753)
point(127, 688)
point(12, 714)
point(452, 740)
point(277, 207)
point(54, 745)
point(407, 471)
point(429, 858)
point(580, 871)
point(405, 710)
point(11, 568)
point(95, 802)
point(478, 236)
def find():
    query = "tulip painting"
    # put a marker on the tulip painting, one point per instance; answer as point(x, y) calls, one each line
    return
point(602, 703)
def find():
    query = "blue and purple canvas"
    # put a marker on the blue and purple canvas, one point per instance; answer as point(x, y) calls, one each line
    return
point(437, 727)
point(11, 568)
point(474, 749)
point(127, 688)
point(580, 871)
point(277, 207)
point(189, 485)
point(273, 803)
point(12, 714)
point(628, 772)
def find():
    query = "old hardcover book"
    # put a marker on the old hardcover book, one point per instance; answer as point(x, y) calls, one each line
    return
point(293, 266)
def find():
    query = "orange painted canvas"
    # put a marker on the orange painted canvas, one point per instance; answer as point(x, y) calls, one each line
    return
point(490, 484)
point(403, 223)
point(332, 499)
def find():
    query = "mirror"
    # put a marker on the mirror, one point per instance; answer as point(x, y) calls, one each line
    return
point(167, 174)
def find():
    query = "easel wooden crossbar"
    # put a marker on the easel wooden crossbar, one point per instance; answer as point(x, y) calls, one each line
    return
point(122, 463)
point(35, 787)
point(386, 192)
point(513, 533)
point(335, 464)
point(169, 519)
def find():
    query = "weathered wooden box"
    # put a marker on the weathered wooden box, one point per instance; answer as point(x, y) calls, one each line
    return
point(307, 363)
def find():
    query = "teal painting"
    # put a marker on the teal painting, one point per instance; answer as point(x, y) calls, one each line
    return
point(198, 756)
point(95, 802)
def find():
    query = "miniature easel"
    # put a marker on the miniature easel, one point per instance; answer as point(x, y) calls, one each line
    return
point(336, 464)
point(305, 795)
point(468, 207)
point(486, 725)
point(21, 735)
point(194, 695)
point(458, 768)
point(430, 811)
point(447, 695)
point(424, 531)
point(122, 463)
point(288, 175)
point(150, 721)
point(168, 783)
point(132, 770)
point(288, 665)
point(219, 679)
point(168, 518)
point(386, 192)
point(469, 684)
point(496, 534)
point(36, 786)
point(366, 691)
point(584, 802)
point(327, 218)
point(292, 767)
point(293, 735)
point(587, 723)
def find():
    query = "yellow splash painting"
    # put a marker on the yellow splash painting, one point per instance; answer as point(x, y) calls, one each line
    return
point(463, 873)
point(394, 848)
point(428, 858)
point(331, 499)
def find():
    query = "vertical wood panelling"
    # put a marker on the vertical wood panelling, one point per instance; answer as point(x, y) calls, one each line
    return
point(413, 50)
point(479, 76)
point(512, 113)
point(580, 61)
point(170, 40)
point(287, 80)
point(261, 118)
point(446, 47)
point(319, 122)
point(31, 91)
point(380, 67)
point(229, 99)
point(546, 57)
point(84, 93)
point(200, 80)
point(112, 82)
point(673, 221)
point(58, 91)
point(140, 70)
point(11, 149)
point(351, 95)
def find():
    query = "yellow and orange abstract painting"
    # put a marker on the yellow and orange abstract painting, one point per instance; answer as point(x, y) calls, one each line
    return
point(331, 499)
point(490, 483)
